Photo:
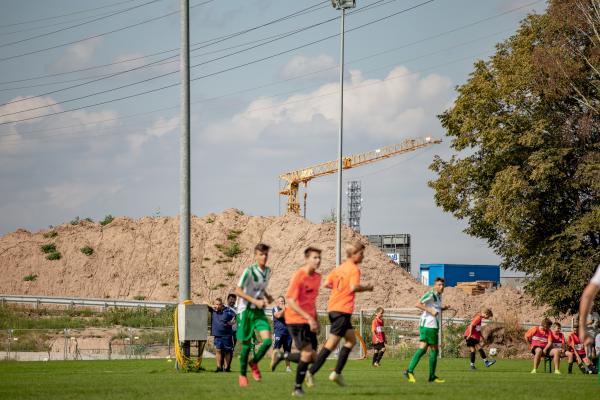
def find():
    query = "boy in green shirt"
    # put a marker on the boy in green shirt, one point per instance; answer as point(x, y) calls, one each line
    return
point(252, 300)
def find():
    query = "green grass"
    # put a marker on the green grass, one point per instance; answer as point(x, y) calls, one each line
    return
point(157, 379)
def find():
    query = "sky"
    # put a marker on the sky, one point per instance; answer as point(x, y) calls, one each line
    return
point(79, 137)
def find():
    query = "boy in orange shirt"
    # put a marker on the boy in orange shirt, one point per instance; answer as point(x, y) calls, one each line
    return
point(473, 337)
point(301, 316)
point(378, 335)
point(344, 282)
point(540, 341)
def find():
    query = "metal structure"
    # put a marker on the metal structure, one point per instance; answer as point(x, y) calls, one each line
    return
point(305, 175)
point(455, 273)
point(396, 246)
point(354, 194)
point(82, 302)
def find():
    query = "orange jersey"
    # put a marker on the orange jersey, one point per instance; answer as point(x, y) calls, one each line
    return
point(377, 330)
point(539, 337)
point(474, 329)
point(303, 289)
point(340, 280)
point(575, 345)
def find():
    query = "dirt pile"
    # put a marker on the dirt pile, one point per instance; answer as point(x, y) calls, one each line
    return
point(138, 259)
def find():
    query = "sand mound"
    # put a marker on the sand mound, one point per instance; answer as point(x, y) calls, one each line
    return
point(138, 259)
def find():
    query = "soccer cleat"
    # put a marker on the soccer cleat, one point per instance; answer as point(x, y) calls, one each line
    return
point(309, 379)
point(473, 368)
point(489, 363)
point(279, 357)
point(337, 378)
point(298, 393)
point(288, 369)
point(255, 372)
point(376, 364)
point(557, 372)
point(409, 376)
point(534, 371)
point(243, 381)
point(435, 379)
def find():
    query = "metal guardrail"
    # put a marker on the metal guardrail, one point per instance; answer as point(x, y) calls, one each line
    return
point(75, 301)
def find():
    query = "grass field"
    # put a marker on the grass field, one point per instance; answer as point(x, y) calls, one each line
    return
point(156, 379)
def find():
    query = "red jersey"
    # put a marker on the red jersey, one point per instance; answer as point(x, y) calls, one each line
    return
point(474, 329)
point(377, 330)
point(539, 337)
point(575, 344)
point(558, 340)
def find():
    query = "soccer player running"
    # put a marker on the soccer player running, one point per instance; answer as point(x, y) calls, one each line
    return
point(252, 300)
point(540, 341)
point(473, 338)
point(301, 316)
point(585, 306)
point(431, 305)
point(378, 336)
point(281, 336)
point(344, 282)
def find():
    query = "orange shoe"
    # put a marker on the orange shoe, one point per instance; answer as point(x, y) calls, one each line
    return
point(255, 372)
point(243, 381)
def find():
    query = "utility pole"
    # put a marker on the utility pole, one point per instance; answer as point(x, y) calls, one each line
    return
point(184, 155)
point(340, 5)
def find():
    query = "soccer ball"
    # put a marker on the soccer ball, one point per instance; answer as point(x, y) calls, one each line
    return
point(493, 351)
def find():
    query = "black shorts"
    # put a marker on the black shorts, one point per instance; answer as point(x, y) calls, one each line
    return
point(340, 323)
point(537, 347)
point(378, 346)
point(471, 342)
point(302, 336)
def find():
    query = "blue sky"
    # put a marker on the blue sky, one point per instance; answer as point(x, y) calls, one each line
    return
point(249, 124)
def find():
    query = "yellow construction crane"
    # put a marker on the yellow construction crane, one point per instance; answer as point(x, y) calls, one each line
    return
point(295, 178)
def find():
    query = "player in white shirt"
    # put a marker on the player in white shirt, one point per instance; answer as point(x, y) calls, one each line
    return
point(587, 300)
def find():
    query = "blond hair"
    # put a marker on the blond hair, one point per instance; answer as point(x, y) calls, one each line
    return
point(354, 248)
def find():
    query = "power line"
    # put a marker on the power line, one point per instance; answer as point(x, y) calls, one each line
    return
point(66, 15)
point(217, 72)
point(98, 35)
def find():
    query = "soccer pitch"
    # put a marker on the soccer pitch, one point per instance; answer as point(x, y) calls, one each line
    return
point(156, 379)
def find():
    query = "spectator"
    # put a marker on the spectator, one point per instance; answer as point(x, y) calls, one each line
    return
point(540, 341)
point(223, 319)
point(231, 300)
point(281, 335)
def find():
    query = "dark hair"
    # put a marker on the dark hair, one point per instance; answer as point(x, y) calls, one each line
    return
point(546, 322)
point(311, 249)
point(230, 295)
point(261, 247)
point(378, 310)
point(558, 325)
point(219, 300)
point(439, 279)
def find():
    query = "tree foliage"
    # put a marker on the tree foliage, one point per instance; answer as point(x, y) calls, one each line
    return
point(525, 129)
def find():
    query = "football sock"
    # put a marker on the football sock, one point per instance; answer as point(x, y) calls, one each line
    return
point(433, 357)
point(415, 359)
point(293, 357)
point(262, 350)
point(342, 358)
point(301, 374)
point(482, 354)
point(321, 358)
point(380, 357)
point(244, 353)
point(570, 367)
point(472, 357)
point(375, 357)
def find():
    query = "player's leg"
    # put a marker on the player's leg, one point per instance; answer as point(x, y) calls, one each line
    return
point(307, 346)
point(328, 347)
point(276, 346)
point(570, 359)
point(472, 349)
point(219, 359)
point(537, 358)
point(349, 342)
point(245, 333)
point(287, 349)
point(381, 353)
point(555, 353)
point(488, 363)
point(432, 339)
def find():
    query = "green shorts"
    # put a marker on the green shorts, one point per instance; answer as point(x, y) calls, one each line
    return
point(428, 335)
point(250, 320)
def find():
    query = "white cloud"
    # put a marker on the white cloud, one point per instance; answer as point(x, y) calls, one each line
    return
point(135, 60)
point(300, 65)
point(403, 104)
point(78, 55)
point(72, 195)
point(159, 128)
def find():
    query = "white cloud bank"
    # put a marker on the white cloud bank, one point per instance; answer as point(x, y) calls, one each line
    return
point(307, 67)
point(78, 55)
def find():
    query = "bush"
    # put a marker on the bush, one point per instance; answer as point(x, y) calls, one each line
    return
point(107, 220)
point(210, 220)
point(88, 219)
point(87, 250)
point(75, 221)
point(230, 274)
point(50, 234)
point(231, 250)
point(48, 248)
point(139, 297)
point(164, 284)
point(30, 277)
point(240, 212)
point(54, 256)
point(233, 234)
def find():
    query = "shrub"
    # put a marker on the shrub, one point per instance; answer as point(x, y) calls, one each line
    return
point(230, 274)
point(231, 250)
point(210, 220)
point(87, 250)
point(88, 219)
point(30, 277)
point(48, 248)
point(233, 234)
point(107, 220)
point(54, 256)
point(206, 259)
point(240, 212)
point(139, 297)
point(75, 221)
point(50, 234)
point(164, 284)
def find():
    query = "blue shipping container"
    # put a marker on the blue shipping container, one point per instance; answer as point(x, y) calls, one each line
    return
point(454, 273)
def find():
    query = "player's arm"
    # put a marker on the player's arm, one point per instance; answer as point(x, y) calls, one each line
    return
point(329, 281)
point(260, 303)
point(268, 297)
point(529, 334)
point(423, 307)
point(585, 306)
point(548, 346)
point(356, 286)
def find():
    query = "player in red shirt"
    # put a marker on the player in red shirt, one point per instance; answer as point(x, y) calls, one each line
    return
point(576, 351)
point(378, 336)
point(558, 346)
point(540, 340)
point(473, 337)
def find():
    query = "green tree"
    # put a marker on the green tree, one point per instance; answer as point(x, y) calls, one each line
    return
point(525, 129)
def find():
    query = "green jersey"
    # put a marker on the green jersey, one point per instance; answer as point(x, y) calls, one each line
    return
point(431, 299)
point(253, 282)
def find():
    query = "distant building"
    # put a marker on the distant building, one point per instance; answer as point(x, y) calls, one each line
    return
point(517, 282)
point(454, 273)
point(396, 246)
